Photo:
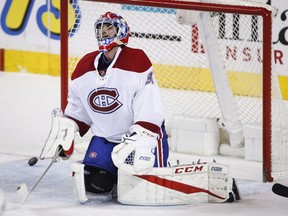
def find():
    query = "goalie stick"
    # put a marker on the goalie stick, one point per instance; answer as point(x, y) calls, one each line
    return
point(22, 190)
point(280, 189)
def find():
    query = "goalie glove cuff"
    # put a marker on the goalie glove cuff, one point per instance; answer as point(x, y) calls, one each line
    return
point(139, 130)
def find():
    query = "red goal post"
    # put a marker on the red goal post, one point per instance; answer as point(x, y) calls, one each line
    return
point(263, 51)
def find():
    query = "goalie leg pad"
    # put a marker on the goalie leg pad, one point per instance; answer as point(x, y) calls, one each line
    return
point(78, 182)
point(183, 184)
point(98, 180)
point(80, 189)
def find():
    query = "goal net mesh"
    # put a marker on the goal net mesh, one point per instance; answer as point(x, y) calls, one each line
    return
point(181, 64)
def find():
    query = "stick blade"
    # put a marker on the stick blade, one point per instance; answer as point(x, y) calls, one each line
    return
point(22, 192)
point(280, 190)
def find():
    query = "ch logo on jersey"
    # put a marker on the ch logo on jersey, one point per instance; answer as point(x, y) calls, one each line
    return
point(104, 100)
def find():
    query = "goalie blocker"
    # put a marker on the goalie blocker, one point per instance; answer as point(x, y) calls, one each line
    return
point(183, 184)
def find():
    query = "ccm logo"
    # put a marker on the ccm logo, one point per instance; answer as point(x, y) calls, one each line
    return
point(188, 169)
point(148, 134)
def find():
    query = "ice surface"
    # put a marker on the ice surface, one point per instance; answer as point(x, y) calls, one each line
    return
point(26, 101)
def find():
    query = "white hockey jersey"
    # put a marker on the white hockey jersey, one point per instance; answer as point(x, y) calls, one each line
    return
point(111, 104)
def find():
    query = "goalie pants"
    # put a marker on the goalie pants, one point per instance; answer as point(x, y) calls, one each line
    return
point(99, 153)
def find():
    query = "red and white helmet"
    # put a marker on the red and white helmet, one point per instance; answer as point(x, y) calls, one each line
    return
point(121, 36)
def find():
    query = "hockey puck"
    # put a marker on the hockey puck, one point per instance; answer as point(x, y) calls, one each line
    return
point(32, 161)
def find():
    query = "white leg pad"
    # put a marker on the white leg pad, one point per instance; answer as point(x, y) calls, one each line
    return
point(78, 181)
point(79, 187)
point(184, 184)
point(219, 182)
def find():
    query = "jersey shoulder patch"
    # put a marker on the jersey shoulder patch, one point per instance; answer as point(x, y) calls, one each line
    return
point(85, 65)
point(134, 60)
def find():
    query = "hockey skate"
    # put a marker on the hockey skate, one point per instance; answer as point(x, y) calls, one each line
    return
point(234, 194)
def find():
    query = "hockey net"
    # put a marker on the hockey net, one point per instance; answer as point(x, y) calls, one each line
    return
point(212, 61)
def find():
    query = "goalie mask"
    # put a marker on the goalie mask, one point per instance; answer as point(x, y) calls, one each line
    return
point(111, 30)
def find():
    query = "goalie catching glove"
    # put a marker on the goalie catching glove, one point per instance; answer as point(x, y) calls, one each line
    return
point(61, 135)
point(135, 154)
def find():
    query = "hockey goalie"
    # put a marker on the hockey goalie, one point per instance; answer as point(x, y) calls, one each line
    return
point(113, 92)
